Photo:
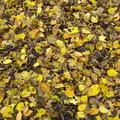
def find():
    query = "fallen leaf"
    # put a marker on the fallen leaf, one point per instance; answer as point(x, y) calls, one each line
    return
point(80, 114)
point(20, 106)
point(69, 93)
point(102, 109)
point(19, 116)
point(41, 112)
point(94, 90)
point(94, 19)
point(82, 107)
point(94, 111)
point(45, 87)
point(111, 72)
point(60, 44)
point(7, 61)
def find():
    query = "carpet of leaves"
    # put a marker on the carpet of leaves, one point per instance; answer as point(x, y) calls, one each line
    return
point(59, 59)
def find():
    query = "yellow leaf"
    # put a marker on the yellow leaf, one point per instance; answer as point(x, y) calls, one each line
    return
point(87, 17)
point(19, 116)
point(102, 109)
point(7, 61)
point(94, 2)
point(117, 28)
point(114, 118)
point(94, 19)
point(23, 51)
point(82, 107)
point(34, 33)
point(80, 114)
point(94, 90)
point(69, 93)
point(94, 111)
point(81, 87)
point(116, 44)
point(73, 101)
point(45, 87)
point(112, 72)
point(25, 93)
point(104, 80)
point(18, 19)
point(20, 36)
point(30, 4)
point(32, 90)
point(6, 111)
point(49, 52)
point(88, 38)
point(2, 94)
point(67, 75)
point(102, 38)
point(20, 106)
point(60, 44)
point(84, 98)
point(66, 35)
point(41, 112)
point(60, 85)
point(36, 64)
point(98, 117)
point(74, 30)
point(63, 51)
point(23, 56)
point(40, 77)
point(39, 10)
point(112, 10)
point(85, 30)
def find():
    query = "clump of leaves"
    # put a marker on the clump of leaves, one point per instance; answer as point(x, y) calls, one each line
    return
point(59, 59)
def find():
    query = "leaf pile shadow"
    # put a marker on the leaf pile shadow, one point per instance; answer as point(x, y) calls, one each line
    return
point(59, 60)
